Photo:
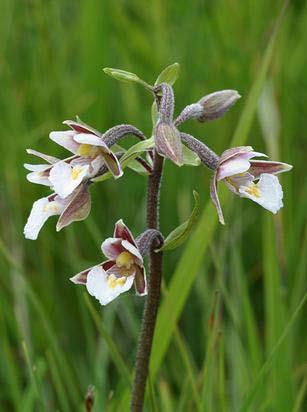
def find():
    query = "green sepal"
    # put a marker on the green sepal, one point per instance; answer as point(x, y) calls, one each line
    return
point(182, 232)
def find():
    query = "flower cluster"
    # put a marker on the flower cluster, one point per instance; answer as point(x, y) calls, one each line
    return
point(92, 156)
point(69, 179)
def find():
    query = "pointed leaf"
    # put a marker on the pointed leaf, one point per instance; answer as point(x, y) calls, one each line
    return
point(137, 149)
point(189, 157)
point(133, 152)
point(169, 74)
point(133, 164)
point(137, 167)
point(126, 77)
point(181, 233)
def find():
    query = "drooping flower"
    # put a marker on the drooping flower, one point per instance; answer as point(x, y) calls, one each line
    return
point(124, 268)
point(75, 207)
point(253, 179)
point(86, 142)
point(90, 153)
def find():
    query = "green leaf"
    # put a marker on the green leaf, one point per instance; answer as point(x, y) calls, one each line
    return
point(190, 158)
point(133, 164)
point(133, 152)
point(182, 232)
point(247, 402)
point(126, 77)
point(137, 167)
point(137, 149)
point(169, 74)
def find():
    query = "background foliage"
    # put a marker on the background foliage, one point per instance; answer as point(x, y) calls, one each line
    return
point(235, 344)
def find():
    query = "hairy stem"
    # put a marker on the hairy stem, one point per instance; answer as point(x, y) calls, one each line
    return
point(206, 155)
point(153, 297)
point(148, 238)
point(113, 135)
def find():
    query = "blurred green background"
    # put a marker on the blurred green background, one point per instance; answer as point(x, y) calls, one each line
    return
point(238, 349)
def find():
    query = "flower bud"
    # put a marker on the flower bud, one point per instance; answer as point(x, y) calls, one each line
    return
point(168, 142)
point(214, 105)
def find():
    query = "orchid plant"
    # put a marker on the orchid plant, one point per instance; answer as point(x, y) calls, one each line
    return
point(96, 156)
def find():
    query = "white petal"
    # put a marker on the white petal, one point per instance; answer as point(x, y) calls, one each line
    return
point(47, 158)
point(42, 209)
point(106, 288)
point(36, 168)
point(112, 247)
point(65, 139)
point(96, 164)
point(86, 138)
point(215, 199)
point(133, 250)
point(38, 178)
point(235, 182)
point(232, 167)
point(252, 154)
point(267, 192)
point(65, 178)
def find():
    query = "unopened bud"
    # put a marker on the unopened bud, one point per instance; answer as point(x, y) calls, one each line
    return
point(214, 105)
point(168, 142)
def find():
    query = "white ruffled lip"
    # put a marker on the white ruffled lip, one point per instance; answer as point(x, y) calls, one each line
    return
point(42, 209)
point(267, 192)
point(105, 287)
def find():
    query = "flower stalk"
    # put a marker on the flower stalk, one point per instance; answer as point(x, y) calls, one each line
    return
point(206, 155)
point(154, 287)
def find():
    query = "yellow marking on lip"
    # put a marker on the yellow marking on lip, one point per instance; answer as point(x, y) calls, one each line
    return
point(253, 190)
point(87, 150)
point(113, 281)
point(125, 259)
point(76, 172)
point(51, 207)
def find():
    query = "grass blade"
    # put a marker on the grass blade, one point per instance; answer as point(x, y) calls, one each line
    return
point(267, 365)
